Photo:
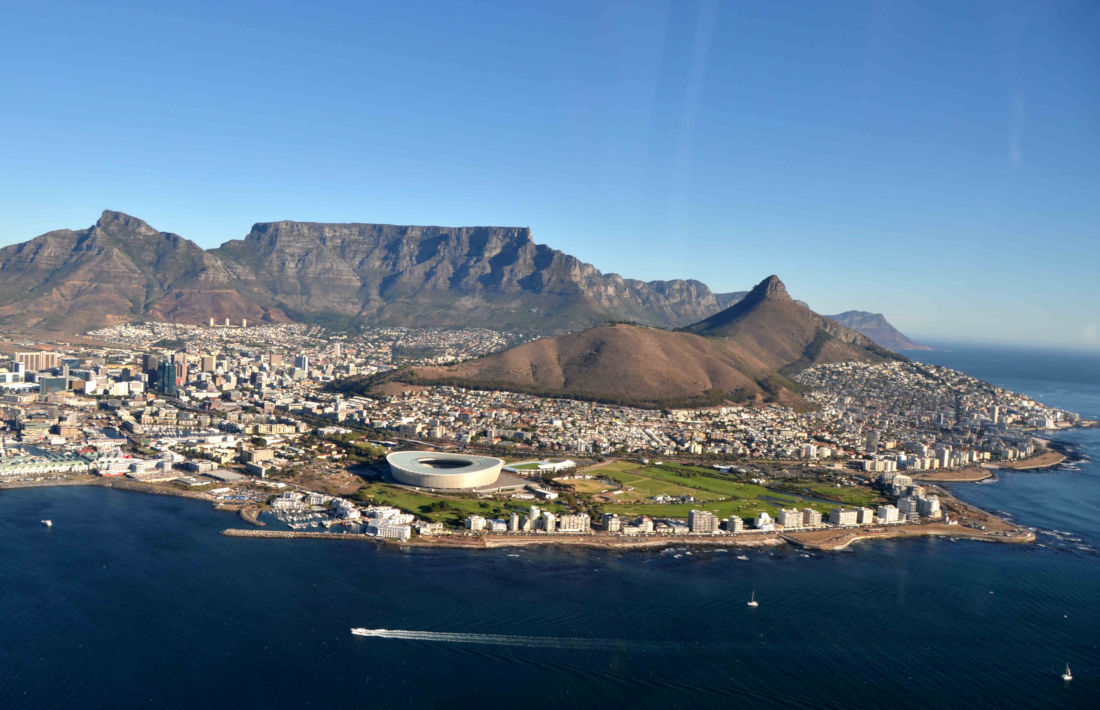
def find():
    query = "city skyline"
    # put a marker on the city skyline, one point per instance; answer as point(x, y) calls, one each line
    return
point(930, 165)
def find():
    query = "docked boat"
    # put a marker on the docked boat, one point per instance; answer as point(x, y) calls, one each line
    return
point(48, 523)
point(1067, 675)
point(753, 603)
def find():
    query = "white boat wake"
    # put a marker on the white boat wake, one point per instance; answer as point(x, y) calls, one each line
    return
point(525, 641)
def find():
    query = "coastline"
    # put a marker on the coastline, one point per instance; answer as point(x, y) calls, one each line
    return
point(832, 540)
point(120, 484)
point(972, 474)
point(829, 540)
point(489, 542)
point(993, 529)
point(1048, 459)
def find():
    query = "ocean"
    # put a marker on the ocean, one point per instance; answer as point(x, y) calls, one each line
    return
point(133, 600)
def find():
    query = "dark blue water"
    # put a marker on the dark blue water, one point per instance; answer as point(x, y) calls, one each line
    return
point(132, 600)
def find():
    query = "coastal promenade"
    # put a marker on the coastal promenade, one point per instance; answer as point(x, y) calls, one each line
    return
point(824, 540)
point(487, 542)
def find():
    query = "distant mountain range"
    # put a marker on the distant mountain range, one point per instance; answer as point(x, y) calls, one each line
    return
point(743, 353)
point(876, 327)
point(122, 270)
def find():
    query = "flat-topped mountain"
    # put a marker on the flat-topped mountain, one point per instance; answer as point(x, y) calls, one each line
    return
point(121, 269)
point(491, 276)
point(877, 328)
point(739, 354)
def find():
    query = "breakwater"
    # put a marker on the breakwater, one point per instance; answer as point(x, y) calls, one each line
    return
point(284, 534)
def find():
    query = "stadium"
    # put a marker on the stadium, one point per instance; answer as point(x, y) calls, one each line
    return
point(429, 469)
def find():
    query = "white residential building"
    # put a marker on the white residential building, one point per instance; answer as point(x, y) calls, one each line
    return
point(790, 519)
point(887, 514)
point(844, 516)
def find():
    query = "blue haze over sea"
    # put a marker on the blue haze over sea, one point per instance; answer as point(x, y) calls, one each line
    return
point(133, 600)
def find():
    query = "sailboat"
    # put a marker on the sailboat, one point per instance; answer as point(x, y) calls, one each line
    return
point(753, 603)
point(1067, 675)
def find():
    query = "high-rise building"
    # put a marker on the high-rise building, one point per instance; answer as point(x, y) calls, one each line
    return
point(166, 378)
point(790, 518)
point(37, 361)
point(576, 523)
point(301, 362)
point(702, 521)
point(887, 514)
point(811, 518)
point(844, 516)
point(929, 506)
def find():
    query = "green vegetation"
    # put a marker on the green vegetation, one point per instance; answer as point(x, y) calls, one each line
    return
point(451, 510)
point(719, 493)
point(847, 495)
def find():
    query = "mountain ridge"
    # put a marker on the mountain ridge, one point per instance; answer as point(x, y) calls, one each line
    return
point(121, 269)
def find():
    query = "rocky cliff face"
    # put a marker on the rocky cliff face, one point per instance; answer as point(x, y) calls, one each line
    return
point(121, 269)
point(446, 276)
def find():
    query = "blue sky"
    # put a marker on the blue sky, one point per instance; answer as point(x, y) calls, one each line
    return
point(939, 163)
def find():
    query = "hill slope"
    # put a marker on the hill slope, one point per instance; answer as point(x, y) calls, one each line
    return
point(783, 333)
point(738, 354)
point(877, 328)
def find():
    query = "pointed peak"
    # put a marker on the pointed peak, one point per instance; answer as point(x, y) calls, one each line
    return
point(112, 218)
point(770, 287)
